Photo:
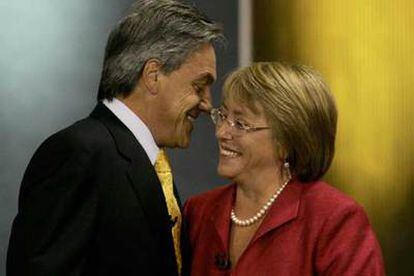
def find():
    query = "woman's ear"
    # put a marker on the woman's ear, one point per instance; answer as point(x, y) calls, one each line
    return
point(280, 151)
point(150, 73)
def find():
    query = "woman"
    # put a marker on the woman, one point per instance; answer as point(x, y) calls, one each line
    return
point(276, 132)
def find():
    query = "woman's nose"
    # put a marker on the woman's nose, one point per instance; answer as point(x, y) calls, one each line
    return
point(223, 130)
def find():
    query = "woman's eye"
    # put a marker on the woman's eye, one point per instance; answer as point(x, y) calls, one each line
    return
point(240, 125)
point(222, 113)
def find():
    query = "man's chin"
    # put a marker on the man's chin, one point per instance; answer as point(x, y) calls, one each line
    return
point(185, 138)
point(184, 144)
point(181, 142)
point(181, 139)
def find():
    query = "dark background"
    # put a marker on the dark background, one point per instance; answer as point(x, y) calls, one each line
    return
point(50, 61)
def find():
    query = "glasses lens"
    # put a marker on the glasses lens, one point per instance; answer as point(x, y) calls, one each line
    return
point(218, 117)
point(214, 115)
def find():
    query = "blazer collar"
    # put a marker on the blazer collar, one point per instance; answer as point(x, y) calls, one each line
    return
point(220, 215)
point(143, 177)
point(283, 210)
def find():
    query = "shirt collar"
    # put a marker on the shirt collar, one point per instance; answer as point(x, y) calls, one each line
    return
point(135, 125)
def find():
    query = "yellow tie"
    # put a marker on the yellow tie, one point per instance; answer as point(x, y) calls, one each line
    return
point(163, 170)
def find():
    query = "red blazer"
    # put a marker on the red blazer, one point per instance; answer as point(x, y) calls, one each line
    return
point(311, 229)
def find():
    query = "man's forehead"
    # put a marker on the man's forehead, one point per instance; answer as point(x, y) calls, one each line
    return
point(203, 59)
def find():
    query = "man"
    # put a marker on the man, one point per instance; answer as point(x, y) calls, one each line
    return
point(91, 201)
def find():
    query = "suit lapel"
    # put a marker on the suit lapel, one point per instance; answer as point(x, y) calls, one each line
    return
point(148, 190)
point(143, 177)
point(176, 194)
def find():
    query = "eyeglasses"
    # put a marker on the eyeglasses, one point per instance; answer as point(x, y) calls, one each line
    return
point(218, 116)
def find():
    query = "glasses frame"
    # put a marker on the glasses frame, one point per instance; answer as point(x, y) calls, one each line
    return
point(216, 115)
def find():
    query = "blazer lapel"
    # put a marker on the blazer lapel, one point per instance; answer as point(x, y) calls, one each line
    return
point(220, 215)
point(143, 177)
point(284, 209)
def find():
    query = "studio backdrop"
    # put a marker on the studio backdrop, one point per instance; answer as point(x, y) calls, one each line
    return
point(364, 49)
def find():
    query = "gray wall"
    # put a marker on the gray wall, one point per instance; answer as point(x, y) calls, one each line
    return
point(50, 61)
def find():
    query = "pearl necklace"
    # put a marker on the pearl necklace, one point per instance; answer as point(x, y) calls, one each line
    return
point(260, 213)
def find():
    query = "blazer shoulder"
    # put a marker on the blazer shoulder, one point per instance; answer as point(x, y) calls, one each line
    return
point(197, 204)
point(210, 196)
point(322, 198)
point(198, 208)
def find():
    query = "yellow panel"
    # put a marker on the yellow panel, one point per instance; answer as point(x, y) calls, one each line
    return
point(365, 50)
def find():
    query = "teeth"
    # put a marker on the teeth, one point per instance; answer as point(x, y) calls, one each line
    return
point(229, 153)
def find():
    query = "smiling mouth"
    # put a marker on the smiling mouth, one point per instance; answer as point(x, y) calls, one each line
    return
point(228, 152)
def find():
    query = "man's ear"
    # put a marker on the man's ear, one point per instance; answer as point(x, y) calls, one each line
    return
point(150, 73)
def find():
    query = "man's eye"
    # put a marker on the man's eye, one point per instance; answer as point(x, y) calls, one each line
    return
point(198, 89)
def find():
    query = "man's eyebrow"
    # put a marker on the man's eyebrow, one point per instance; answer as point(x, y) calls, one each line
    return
point(205, 79)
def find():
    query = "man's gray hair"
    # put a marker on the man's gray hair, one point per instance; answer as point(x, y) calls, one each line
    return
point(166, 30)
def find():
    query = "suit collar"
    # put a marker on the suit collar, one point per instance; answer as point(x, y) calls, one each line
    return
point(137, 127)
point(143, 177)
point(124, 139)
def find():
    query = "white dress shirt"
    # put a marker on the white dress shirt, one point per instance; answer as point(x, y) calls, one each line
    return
point(136, 126)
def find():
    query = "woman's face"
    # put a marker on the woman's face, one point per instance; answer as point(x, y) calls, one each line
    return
point(244, 155)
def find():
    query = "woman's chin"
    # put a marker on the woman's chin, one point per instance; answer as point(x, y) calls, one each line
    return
point(226, 172)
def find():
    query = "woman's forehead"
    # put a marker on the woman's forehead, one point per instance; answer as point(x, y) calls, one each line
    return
point(242, 107)
point(238, 105)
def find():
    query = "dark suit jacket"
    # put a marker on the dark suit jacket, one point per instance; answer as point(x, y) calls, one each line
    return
point(91, 204)
point(311, 229)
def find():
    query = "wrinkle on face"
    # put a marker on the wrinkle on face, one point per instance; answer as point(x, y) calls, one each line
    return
point(185, 94)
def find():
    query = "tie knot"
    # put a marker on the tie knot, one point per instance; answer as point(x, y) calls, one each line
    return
point(162, 164)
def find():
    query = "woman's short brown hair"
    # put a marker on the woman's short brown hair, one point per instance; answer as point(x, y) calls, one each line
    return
point(299, 108)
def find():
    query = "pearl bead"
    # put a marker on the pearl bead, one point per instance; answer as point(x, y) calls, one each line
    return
point(260, 213)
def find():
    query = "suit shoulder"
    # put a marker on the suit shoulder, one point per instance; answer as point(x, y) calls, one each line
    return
point(86, 134)
point(80, 141)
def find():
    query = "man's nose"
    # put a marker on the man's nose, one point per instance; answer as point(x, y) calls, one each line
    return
point(205, 103)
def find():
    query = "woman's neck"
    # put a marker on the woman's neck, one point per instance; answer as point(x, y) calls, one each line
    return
point(253, 192)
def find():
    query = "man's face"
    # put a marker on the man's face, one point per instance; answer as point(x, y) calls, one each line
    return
point(184, 93)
